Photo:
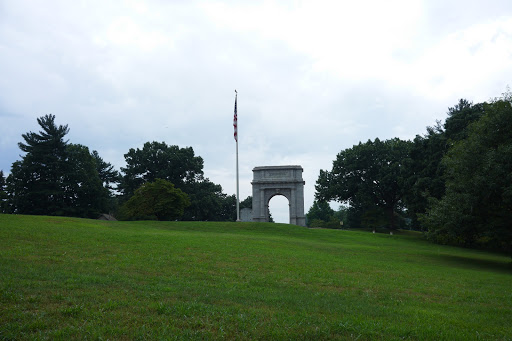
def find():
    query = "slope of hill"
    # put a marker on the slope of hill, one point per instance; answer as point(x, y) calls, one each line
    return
point(76, 278)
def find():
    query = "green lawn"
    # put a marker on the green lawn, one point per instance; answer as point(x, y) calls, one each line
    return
point(66, 278)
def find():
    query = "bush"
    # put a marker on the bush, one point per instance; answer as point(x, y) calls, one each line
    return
point(158, 200)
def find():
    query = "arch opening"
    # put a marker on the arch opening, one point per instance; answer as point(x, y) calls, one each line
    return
point(279, 209)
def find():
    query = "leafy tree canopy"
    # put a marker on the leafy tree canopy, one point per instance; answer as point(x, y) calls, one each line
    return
point(426, 172)
point(477, 207)
point(157, 160)
point(320, 210)
point(208, 202)
point(181, 167)
point(156, 200)
point(460, 117)
point(85, 195)
point(246, 203)
point(367, 175)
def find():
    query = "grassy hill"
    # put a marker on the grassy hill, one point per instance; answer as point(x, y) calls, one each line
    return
point(66, 278)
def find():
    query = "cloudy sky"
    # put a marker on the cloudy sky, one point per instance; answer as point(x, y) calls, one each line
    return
point(313, 77)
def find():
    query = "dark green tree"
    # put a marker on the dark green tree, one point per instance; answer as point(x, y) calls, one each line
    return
point(460, 117)
point(246, 203)
point(355, 214)
point(110, 179)
point(341, 216)
point(208, 202)
point(426, 173)
point(228, 212)
point(157, 160)
point(270, 218)
point(156, 200)
point(368, 175)
point(36, 183)
point(319, 214)
point(55, 177)
point(185, 170)
point(85, 195)
point(108, 175)
point(477, 207)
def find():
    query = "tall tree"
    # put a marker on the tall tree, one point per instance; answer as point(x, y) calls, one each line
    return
point(368, 175)
point(157, 160)
point(85, 195)
point(183, 169)
point(37, 180)
point(108, 175)
point(477, 207)
point(55, 177)
point(110, 179)
point(426, 172)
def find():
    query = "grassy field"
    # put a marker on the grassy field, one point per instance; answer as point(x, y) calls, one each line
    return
point(65, 278)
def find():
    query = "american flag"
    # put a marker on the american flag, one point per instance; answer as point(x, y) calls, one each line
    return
point(235, 122)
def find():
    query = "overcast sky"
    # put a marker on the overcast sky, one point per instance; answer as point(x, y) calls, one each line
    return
point(313, 77)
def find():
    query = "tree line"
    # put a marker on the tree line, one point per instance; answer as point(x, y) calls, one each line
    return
point(454, 182)
point(160, 181)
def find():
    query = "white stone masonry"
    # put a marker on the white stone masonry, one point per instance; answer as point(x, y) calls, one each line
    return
point(270, 181)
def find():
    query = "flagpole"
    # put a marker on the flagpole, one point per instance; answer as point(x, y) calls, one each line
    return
point(237, 195)
point(237, 182)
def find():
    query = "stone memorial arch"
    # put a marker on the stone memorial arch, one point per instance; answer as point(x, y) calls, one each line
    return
point(270, 181)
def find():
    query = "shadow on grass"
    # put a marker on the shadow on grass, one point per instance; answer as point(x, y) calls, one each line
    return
point(476, 263)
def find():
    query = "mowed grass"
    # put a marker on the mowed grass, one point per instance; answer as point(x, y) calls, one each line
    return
point(66, 278)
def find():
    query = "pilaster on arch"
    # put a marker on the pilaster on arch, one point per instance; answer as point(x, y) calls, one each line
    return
point(269, 181)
